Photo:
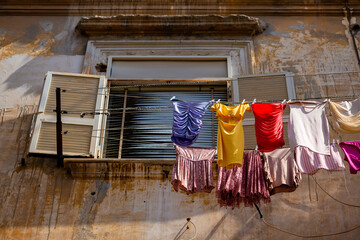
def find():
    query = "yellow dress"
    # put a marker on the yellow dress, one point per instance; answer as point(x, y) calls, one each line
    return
point(230, 136)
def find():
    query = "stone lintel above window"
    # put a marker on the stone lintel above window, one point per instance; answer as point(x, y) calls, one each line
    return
point(171, 25)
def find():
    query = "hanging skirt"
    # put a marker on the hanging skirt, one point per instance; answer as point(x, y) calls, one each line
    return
point(281, 171)
point(310, 162)
point(243, 184)
point(192, 171)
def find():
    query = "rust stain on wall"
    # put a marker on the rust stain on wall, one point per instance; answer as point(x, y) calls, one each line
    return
point(122, 201)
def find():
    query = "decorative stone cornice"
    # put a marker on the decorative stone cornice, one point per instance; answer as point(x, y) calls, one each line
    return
point(169, 25)
point(167, 7)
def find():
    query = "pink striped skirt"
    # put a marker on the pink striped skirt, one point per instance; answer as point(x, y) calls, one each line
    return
point(310, 162)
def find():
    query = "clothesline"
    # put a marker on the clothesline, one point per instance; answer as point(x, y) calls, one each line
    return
point(165, 108)
point(309, 236)
point(312, 236)
point(195, 82)
point(344, 203)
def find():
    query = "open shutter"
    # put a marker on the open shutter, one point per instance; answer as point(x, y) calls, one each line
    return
point(265, 87)
point(80, 93)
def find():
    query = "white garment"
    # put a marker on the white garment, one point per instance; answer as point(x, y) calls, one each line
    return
point(309, 127)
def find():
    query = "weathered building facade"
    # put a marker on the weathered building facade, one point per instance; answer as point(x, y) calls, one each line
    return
point(311, 44)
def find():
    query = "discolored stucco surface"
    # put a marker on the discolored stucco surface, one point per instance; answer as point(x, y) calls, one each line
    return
point(41, 201)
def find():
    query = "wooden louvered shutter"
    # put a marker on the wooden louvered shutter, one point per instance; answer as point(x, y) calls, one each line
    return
point(266, 87)
point(80, 94)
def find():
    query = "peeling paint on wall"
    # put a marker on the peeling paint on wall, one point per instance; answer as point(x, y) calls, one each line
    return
point(41, 201)
point(303, 48)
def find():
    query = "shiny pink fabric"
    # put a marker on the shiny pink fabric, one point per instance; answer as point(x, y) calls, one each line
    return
point(192, 171)
point(352, 155)
point(243, 184)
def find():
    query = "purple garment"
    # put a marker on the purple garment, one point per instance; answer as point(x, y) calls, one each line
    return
point(352, 155)
point(243, 184)
point(187, 121)
point(192, 171)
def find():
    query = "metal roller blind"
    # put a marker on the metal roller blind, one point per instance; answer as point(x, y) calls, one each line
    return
point(147, 132)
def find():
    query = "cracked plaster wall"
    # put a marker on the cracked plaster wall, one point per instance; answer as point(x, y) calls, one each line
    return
point(309, 45)
point(40, 201)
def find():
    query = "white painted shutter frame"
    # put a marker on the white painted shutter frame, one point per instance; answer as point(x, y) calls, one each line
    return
point(81, 135)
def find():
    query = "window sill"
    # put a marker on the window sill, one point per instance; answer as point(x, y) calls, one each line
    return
point(152, 161)
point(115, 168)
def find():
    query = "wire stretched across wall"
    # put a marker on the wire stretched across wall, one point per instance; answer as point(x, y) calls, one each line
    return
point(137, 108)
point(262, 76)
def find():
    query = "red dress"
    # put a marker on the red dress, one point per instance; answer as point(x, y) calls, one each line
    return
point(269, 125)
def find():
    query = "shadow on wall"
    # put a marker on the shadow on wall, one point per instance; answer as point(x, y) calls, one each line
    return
point(30, 76)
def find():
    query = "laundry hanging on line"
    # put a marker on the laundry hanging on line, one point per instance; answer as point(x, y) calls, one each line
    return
point(310, 162)
point(281, 171)
point(230, 138)
point(245, 184)
point(308, 126)
point(352, 155)
point(346, 115)
point(187, 121)
point(192, 171)
point(269, 125)
point(231, 187)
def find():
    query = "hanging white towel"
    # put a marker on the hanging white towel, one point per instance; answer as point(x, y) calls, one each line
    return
point(309, 127)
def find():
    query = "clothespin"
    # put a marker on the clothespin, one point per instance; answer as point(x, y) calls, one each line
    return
point(254, 101)
point(289, 101)
point(243, 101)
point(338, 141)
point(283, 101)
point(333, 141)
point(218, 100)
point(256, 148)
point(173, 98)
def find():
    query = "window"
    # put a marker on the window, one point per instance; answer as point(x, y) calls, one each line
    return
point(140, 122)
